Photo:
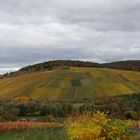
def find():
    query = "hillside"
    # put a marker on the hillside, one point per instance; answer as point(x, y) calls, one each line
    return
point(133, 65)
point(51, 65)
point(72, 83)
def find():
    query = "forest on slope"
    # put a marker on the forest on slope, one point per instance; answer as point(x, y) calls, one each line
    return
point(133, 65)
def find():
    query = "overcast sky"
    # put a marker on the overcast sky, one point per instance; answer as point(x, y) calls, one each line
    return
point(33, 31)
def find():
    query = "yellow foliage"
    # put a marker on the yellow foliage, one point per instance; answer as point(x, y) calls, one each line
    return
point(122, 88)
point(96, 127)
point(22, 99)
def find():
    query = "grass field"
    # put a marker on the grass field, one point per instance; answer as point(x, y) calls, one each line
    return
point(42, 134)
point(36, 134)
point(72, 84)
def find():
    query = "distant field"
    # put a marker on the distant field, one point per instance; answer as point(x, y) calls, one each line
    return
point(71, 84)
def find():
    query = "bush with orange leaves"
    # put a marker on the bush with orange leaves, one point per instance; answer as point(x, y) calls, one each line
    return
point(18, 126)
point(14, 126)
point(97, 126)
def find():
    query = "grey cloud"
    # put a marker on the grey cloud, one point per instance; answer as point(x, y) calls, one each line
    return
point(32, 31)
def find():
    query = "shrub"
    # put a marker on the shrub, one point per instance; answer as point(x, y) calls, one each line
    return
point(48, 118)
point(96, 127)
point(22, 99)
point(8, 114)
point(131, 115)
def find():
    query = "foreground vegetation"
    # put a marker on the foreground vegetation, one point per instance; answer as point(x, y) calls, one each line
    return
point(90, 126)
point(24, 119)
point(121, 107)
point(18, 126)
point(71, 104)
point(36, 134)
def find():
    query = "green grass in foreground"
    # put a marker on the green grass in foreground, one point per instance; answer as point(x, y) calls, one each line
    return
point(43, 134)
point(36, 134)
point(137, 137)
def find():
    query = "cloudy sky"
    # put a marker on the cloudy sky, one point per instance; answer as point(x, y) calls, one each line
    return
point(33, 31)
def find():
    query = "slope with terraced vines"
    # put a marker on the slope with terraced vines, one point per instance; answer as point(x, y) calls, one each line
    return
point(71, 84)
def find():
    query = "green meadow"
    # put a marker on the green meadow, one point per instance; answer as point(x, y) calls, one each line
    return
point(36, 134)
